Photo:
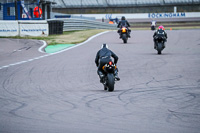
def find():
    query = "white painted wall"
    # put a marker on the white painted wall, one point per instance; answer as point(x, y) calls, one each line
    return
point(143, 15)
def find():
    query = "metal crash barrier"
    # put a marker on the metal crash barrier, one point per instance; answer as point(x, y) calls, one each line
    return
point(71, 24)
point(49, 27)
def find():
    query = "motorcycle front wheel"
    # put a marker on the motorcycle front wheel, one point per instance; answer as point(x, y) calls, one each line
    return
point(159, 48)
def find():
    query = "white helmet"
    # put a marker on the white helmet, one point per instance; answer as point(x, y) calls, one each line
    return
point(104, 45)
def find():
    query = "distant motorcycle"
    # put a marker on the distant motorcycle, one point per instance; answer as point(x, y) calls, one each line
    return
point(124, 34)
point(159, 40)
point(109, 78)
point(153, 27)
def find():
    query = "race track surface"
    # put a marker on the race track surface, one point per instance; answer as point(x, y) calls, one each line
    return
point(61, 93)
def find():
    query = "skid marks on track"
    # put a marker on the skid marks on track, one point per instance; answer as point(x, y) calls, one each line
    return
point(184, 104)
point(104, 104)
point(57, 101)
point(8, 82)
point(54, 106)
point(142, 96)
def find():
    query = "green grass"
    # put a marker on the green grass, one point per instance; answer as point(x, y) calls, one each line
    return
point(68, 37)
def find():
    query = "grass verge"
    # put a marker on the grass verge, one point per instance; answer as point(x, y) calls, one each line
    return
point(68, 37)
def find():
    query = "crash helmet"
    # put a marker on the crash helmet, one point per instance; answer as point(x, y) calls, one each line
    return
point(104, 45)
point(123, 18)
point(161, 27)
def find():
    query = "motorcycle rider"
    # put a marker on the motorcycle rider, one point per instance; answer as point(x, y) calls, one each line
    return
point(153, 23)
point(124, 23)
point(160, 31)
point(103, 56)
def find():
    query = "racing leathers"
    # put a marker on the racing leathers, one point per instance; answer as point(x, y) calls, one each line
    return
point(124, 23)
point(103, 56)
point(158, 33)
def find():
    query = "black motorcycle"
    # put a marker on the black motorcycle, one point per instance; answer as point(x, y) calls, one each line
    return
point(109, 78)
point(153, 27)
point(124, 34)
point(159, 40)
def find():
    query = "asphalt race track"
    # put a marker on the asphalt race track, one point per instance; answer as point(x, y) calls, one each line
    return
point(61, 93)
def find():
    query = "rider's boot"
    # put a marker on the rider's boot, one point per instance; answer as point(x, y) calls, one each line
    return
point(101, 76)
point(164, 44)
point(116, 75)
point(120, 36)
point(129, 35)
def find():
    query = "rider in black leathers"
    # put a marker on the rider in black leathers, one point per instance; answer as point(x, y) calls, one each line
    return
point(160, 31)
point(122, 23)
point(103, 56)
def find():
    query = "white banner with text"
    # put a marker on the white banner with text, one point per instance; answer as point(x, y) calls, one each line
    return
point(24, 28)
point(34, 29)
point(143, 15)
point(9, 28)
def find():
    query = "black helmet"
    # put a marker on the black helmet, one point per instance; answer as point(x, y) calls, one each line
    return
point(104, 45)
point(123, 18)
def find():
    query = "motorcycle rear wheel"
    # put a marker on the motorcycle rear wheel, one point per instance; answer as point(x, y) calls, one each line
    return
point(110, 82)
point(125, 41)
point(124, 38)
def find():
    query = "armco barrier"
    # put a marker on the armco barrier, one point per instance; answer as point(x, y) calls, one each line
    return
point(71, 24)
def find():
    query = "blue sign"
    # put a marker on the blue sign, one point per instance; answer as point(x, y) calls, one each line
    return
point(3, 30)
point(166, 15)
point(108, 16)
point(33, 30)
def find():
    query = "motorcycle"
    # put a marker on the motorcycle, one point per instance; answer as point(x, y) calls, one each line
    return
point(109, 79)
point(124, 34)
point(159, 40)
point(153, 27)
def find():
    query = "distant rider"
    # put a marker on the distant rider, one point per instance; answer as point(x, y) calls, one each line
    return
point(160, 31)
point(103, 56)
point(124, 23)
point(153, 23)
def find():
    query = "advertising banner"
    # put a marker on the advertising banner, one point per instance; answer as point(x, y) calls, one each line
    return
point(34, 29)
point(167, 15)
point(9, 28)
point(143, 15)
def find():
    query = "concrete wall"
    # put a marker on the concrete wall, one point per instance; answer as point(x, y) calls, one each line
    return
point(135, 9)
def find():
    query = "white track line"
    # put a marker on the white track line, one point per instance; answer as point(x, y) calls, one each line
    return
point(44, 45)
